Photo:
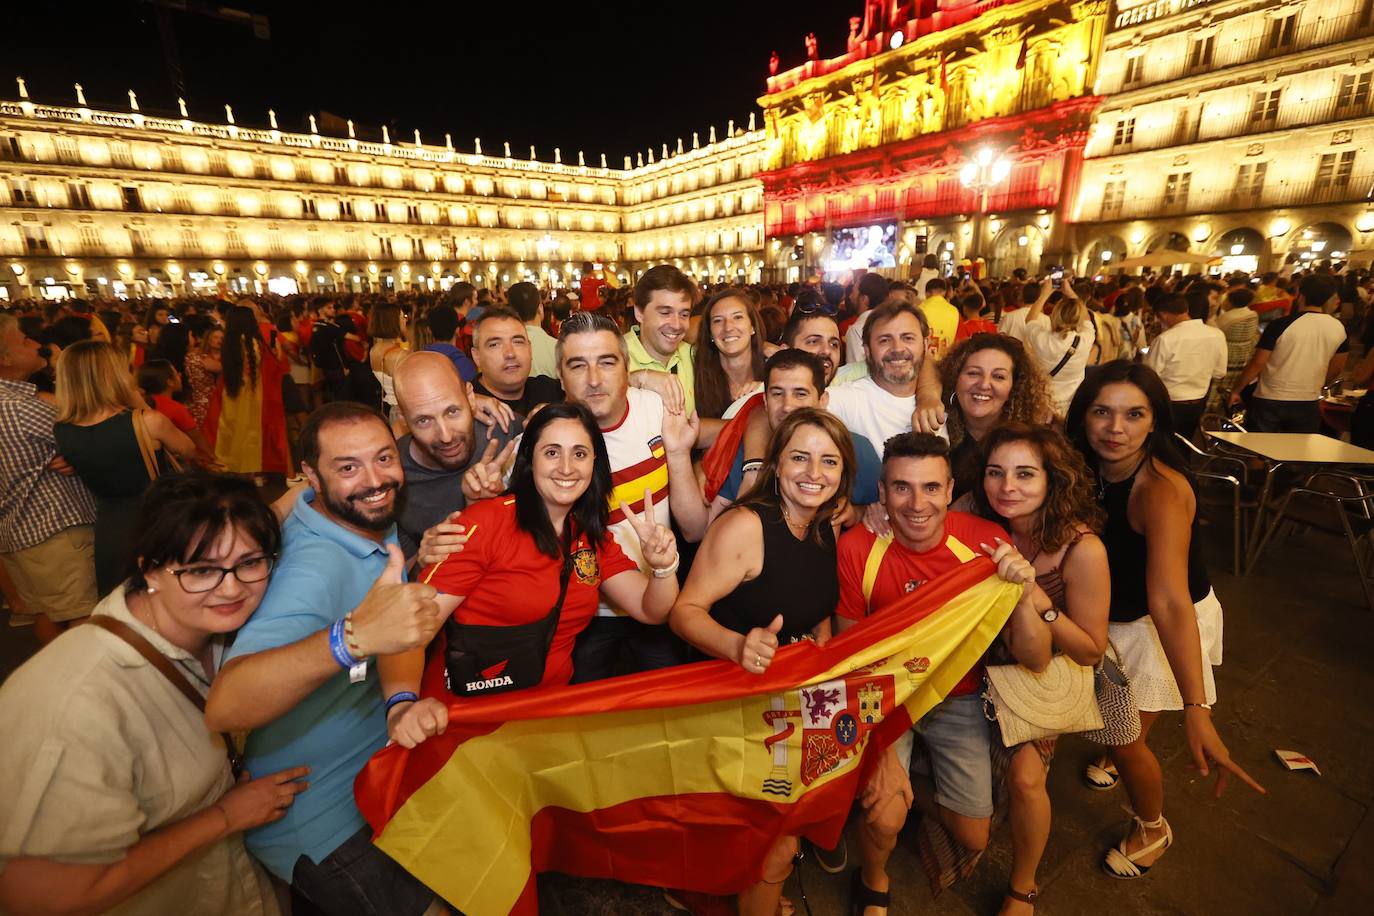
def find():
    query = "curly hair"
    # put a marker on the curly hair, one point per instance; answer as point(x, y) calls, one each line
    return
point(1070, 499)
point(1029, 401)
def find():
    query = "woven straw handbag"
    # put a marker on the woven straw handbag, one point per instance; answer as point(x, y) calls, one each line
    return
point(1060, 700)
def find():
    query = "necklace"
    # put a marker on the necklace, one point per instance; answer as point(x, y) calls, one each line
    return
point(787, 517)
point(1102, 480)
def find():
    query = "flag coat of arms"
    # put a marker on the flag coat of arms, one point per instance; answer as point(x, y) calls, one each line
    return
point(683, 777)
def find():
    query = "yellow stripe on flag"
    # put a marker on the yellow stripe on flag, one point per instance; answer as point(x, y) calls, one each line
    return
point(466, 832)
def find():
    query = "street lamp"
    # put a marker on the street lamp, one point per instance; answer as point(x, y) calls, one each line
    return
point(985, 170)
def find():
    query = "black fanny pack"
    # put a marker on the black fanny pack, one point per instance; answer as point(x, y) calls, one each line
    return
point(482, 660)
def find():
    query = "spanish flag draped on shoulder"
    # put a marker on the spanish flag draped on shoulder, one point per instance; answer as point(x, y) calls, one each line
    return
point(682, 777)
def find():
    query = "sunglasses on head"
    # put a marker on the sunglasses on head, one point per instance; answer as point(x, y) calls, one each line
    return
point(822, 306)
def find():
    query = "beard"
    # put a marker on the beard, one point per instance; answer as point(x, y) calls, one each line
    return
point(449, 461)
point(351, 508)
point(894, 377)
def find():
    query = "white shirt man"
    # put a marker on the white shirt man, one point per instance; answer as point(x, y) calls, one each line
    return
point(1187, 356)
point(880, 405)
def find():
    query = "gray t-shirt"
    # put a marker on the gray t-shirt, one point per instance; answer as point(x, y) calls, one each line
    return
point(429, 496)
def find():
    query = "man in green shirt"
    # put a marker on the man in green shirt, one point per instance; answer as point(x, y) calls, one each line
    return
point(660, 354)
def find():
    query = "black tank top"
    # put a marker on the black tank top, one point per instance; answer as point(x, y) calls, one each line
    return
point(1126, 554)
point(799, 580)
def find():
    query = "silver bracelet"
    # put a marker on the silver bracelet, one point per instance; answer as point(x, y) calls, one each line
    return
point(666, 571)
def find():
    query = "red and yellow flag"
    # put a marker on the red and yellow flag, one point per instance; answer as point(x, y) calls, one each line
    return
point(679, 778)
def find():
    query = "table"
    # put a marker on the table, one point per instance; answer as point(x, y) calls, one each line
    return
point(1279, 449)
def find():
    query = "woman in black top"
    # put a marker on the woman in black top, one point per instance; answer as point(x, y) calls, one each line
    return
point(1164, 618)
point(766, 574)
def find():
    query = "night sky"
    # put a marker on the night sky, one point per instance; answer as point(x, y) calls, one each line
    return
point(613, 77)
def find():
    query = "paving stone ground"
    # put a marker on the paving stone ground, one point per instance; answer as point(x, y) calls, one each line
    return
point(1297, 674)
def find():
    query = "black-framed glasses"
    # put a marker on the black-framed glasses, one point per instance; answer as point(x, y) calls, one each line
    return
point(203, 578)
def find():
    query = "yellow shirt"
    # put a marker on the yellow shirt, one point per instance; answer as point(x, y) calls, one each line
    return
point(680, 365)
point(943, 319)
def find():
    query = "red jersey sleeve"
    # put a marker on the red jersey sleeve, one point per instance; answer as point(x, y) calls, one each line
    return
point(181, 417)
point(611, 559)
point(974, 532)
point(851, 557)
point(459, 573)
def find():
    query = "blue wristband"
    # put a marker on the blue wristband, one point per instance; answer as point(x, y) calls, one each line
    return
point(401, 696)
point(338, 647)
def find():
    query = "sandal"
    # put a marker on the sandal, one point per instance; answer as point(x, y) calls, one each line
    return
point(862, 896)
point(1101, 779)
point(1119, 864)
point(1029, 897)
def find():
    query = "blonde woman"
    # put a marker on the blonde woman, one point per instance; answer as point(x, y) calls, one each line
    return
point(1062, 342)
point(97, 406)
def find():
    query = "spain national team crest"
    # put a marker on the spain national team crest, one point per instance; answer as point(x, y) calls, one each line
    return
point(833, 718)
point(585, 565)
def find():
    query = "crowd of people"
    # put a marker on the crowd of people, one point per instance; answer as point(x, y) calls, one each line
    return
point(585, 484)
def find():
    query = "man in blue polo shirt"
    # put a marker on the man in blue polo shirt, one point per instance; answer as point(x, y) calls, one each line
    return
point(300, 675)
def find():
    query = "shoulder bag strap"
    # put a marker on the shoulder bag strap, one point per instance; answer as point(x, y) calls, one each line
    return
point(871, 567)
point(1073, 348)
point(145, 444)
point(121, 630)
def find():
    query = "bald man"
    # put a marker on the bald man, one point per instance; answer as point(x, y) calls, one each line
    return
point(443, 442)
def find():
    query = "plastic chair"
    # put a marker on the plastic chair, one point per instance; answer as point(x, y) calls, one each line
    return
point(1200, 465)
point(1351, 494)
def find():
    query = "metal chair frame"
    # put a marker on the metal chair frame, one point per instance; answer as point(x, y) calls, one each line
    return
point(1204, 472)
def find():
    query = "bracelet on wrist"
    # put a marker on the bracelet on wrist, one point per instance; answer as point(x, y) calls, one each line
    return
point(350, 639)
point(753, 464)
point(399, 697)
point(666, 571)
point(1206, 706)
point(338, 646)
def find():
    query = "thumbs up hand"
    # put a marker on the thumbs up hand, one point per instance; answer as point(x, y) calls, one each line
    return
point(396, 616)
point(757, 648)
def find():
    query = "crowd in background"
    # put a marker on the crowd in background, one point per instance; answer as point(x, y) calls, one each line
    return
point(741, 467)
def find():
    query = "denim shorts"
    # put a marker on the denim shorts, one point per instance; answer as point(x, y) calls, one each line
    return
point(358, 879)
point(958, 739)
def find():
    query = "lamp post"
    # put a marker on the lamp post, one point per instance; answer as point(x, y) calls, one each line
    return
point(981, 173)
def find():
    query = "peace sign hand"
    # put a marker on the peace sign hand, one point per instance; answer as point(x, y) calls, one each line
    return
point(484, 479)
point(657, 542)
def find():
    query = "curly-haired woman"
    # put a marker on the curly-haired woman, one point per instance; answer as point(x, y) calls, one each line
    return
point(988, 379)
point(1038, 486)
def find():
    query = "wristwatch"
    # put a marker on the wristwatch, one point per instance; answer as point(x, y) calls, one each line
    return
point(1050, 614)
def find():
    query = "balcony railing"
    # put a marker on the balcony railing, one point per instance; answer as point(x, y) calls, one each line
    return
point(1277, 194)
point(1307, 36)
point(1291, 114)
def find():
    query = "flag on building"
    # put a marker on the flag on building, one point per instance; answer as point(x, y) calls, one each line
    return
point(683, 777)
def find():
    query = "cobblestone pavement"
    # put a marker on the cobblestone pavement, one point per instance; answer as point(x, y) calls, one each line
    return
point(1297, 675)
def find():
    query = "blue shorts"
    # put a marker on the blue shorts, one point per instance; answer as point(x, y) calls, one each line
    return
point(958, 739)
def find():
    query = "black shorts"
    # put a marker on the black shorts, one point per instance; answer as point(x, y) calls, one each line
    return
point(358, 879)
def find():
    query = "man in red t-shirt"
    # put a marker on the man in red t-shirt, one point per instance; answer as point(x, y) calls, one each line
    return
point(928, 540)
point(590, 288)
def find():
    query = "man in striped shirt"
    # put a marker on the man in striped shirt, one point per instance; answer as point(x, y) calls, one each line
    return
point(650, 449)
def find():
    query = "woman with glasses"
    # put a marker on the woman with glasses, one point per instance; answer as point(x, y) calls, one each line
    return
point(121, 800)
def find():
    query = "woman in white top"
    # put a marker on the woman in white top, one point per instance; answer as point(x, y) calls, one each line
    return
point(1061, 343)
point(386, 326)
point(120, 800)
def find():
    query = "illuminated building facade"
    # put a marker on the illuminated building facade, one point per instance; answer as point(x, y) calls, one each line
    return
point(1234, 128)
point(99, 202)
point(956, 126)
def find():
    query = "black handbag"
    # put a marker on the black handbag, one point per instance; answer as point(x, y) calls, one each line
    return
point(481, 660)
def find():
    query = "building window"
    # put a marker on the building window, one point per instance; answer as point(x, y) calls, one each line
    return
point(132, 202)
point(1200, 52)
point(171, 159)
point(308, 207)
point(413, 213)
point(1125, 132)
point(1281, 32)
point(1354, 91)
point(10, 149)
point(382, 215)
point(1176, 188)
point(261, 169)
point(340, 174)
point(66, 151)
point(1265, 109)
point(90, 240)
point(1250, 181)
point(218, 164)
point(228, 204)
point(1334, 169)
point(139, 238)
point(233, 242)
point(346, 208)
point(35, 242)
point(20, 193)
point(120, 155)
point(181, 201)
point(1113, 195)
point(81, 196)
point(1135, 64)
point(190, 242)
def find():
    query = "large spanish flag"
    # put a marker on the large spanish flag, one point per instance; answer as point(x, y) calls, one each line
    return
point(680, 778)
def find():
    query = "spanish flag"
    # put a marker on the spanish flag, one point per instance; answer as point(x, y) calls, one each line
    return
point(679, 778)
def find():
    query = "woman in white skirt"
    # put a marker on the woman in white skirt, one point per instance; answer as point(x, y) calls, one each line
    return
point(1165, 620)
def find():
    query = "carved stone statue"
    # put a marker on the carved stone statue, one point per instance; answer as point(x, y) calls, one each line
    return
point(773, 64)
point(812, 51)
point(854, 38)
